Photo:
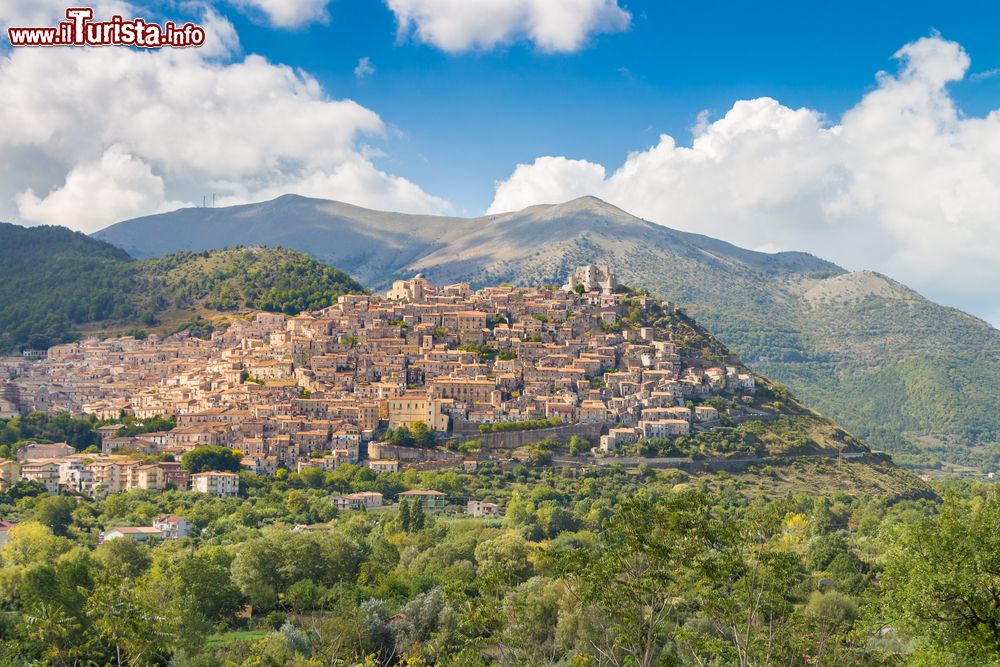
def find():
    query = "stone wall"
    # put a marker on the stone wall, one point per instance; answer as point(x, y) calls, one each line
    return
point(515, 439)
point(384, 450)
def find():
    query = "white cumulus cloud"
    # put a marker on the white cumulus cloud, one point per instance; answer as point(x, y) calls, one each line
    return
point(464, 25)
point(116, 186)
point(90, 136)
point(904, 183)
point(39, 13)
point(288, 13)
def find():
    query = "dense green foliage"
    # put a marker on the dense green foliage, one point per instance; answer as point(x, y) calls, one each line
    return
point(131, 426)
point(42, 427)
point(587, 567)
point(940, 582)
point(81, 432)
point(54, 281)
point(208, 458)
point(523, 425)
point(272, 279)
point(418, 434)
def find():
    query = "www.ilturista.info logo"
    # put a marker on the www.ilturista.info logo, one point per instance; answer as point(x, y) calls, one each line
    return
point(80, 30)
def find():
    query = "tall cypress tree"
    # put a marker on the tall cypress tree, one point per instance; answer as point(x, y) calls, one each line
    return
point(404, 515)
point(417, 515)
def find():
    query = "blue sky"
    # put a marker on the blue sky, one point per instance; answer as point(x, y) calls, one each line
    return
point(465, 119)
point(867, 133)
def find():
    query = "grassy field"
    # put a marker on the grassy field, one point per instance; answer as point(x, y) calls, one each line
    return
point(815, 477)
point(237, 635)
point(167, 323)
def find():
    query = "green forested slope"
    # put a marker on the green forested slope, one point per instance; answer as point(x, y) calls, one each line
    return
point(898, 370)
point(54, 281)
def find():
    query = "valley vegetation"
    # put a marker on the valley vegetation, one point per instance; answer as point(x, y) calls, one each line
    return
point(609, 567)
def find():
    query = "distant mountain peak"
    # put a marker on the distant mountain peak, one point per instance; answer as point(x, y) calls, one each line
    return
point(377, 246)
point(590, 204)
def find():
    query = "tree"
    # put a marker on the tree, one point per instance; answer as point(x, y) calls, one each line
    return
point(749, 598)
point(81, 433)
point(123, 558)
point(63, 584)
point(423, 435)
point(541, 623)
point(553, 520)
point(941, 581)
point(122, 620)
point(56, 512)
point(404, 515)
point(417, 516)
point(265, 567)
point(540, 455)
point(578, 445)
point(401, 436)
point(53, 597)
point(133, 427)
point(303, 595)
point(207, 458)
point(55, 632)
point(417, 620)
point(206, 580)
point(470, 446)
point(256, 572)
point(313, 476)
point(648, 556)
point(31, 542)
point(828, 615)
point(503, 562)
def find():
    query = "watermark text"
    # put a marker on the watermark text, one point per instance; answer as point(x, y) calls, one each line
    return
point(79, 29)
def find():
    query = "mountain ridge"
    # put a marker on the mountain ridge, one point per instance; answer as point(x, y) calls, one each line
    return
point(894, 367)
point(134, 235)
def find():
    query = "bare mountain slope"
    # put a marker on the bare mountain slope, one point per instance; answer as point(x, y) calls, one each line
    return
point(379, 246)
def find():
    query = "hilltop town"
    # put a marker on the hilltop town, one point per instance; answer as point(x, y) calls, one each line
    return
point(379, 380)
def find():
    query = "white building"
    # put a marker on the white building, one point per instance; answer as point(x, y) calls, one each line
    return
point(705, 413)
point(216, 483)
point(384, 465)
point(44, 472)
point(358, 501)
point(172, 526)
point(74, 477)
point(134, 533)
point(482, 508)
point(617, 438)
point(664, 428)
